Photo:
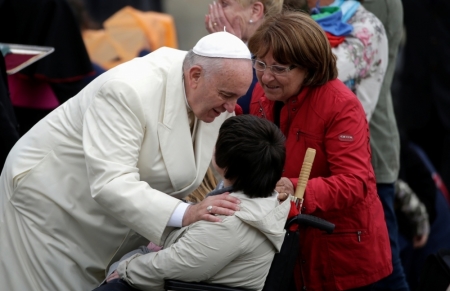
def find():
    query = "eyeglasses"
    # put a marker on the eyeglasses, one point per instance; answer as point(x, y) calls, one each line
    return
point(277, 70)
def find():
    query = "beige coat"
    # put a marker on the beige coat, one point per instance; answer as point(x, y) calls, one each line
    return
point(236, 252)
point(98, 166)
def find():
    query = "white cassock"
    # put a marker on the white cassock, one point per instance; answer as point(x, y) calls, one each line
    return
point(98, 166)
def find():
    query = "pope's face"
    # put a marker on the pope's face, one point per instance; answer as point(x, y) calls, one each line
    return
point(218, 92)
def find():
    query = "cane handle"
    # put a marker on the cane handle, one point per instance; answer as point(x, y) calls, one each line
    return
point(304, 172)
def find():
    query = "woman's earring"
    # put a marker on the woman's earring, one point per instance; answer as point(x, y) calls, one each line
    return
point(251, 21)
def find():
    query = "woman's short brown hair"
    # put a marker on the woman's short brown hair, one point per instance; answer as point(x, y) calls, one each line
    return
point(294, 38)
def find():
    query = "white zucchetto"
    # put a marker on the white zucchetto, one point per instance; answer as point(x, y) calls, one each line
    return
point(222, 45)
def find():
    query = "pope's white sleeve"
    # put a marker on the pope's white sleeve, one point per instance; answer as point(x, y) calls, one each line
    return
point(176, 220)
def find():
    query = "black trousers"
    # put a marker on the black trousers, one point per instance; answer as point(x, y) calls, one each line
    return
point(115, 285)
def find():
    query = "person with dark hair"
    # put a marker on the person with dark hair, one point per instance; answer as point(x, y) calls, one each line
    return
point(299, 91)
point(238, 252)
point(253, 156)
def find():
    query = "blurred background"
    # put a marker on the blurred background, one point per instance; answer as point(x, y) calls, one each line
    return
point(188, 15)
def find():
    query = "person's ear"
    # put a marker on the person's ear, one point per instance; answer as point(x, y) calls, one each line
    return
point(257, 11)
point(194, 76)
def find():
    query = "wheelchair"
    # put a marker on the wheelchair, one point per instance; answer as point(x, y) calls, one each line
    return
point(281, 269)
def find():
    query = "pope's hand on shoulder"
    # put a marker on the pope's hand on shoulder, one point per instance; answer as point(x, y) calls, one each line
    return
point(223, 204)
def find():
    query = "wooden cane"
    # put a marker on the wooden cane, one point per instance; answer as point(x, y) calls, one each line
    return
point(303, 178)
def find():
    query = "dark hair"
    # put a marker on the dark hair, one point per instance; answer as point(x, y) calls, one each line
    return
point(294, 38)
point(251, 151)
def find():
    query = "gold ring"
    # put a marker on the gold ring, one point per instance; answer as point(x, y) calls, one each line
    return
point(215, 24)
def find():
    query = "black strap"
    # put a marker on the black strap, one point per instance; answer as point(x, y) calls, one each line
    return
point(277, 112)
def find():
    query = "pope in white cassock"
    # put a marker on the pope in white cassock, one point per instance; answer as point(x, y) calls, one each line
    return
point(103, 173)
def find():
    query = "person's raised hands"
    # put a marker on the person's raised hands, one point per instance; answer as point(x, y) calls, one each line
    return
point(222, 204)
point(216, 21)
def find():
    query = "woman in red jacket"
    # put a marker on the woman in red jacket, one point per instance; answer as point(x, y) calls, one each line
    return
point(297, 89)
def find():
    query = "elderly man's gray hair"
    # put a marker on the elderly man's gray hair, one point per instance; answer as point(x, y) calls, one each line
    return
point(208, 64)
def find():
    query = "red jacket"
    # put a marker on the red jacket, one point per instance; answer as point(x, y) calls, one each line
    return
point(341, 189)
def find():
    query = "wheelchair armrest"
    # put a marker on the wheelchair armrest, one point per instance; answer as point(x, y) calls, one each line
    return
point(313, 221)
point(176, 285)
